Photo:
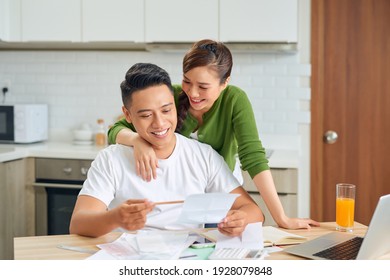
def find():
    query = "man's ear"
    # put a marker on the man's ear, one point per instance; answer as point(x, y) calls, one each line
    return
point(127, 114)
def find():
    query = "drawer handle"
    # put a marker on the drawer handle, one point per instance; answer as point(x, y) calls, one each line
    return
point(84, 171)
point(67, 170)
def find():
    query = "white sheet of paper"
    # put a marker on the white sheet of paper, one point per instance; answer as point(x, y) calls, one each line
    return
point(157, 242)
point(206, 208)
point(251, 238)
point(119, 249)
point(101, 255)
point(151, 243)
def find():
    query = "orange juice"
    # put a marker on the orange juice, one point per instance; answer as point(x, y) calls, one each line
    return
point(345, 208)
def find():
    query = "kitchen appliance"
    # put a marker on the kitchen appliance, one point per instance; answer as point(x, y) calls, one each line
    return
point(23, 123)
point(57, 185)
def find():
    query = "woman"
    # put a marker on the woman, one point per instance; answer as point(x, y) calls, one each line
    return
point(220, 115)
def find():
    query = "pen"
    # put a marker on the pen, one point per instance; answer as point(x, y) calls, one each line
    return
point(202, 245)
point(169, 202)
point(76, 249)
point(279, 245)
point(188, 256)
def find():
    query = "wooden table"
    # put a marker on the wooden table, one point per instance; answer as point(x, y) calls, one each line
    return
point(45, 247)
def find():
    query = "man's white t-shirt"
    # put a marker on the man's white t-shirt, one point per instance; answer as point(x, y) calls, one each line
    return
point(237, 167)
point(192, 168)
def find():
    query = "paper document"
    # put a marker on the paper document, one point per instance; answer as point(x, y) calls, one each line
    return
point(251, 238)
point(206, 208)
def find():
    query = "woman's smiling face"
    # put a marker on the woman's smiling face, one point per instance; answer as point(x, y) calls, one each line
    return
point(202, 86)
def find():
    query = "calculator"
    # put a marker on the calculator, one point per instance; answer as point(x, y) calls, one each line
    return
point(236, 254)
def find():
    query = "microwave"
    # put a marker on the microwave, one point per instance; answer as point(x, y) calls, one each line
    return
point(23, 123)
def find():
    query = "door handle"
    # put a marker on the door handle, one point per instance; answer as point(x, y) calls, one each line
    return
point(330, 137)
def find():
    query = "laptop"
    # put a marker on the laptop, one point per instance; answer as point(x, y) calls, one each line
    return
point(375, 243)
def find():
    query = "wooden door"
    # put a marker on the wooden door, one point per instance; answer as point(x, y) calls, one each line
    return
point(350, 56)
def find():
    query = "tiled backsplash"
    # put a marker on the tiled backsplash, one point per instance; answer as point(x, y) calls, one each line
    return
point(82, 86)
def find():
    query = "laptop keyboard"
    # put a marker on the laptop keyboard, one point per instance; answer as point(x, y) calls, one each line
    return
point(347, 250)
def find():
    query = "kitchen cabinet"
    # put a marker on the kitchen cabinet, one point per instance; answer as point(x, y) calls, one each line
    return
point(72, 20)
point(180, 20)
point(16, 203)
point(115, 20)
point(146, 21)
point(51, 20)
point(286, 183)
point(10, 20)
point(258, 21)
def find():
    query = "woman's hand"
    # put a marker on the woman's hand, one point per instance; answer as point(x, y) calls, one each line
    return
point(298, 223)
point(145, 159)
point(234, 223)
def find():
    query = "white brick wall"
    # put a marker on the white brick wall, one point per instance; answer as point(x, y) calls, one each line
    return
point(81, 86)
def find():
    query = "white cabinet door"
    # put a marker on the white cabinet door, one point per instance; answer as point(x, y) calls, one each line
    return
point(259, 20)
point(51, 20)
point(180, 20)
point(114, 20)
point(10, 20)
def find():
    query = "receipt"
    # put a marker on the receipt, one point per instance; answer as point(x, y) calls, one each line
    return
point(206, 208)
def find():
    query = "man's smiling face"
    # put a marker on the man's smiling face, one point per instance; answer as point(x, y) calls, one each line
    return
point(152, 111)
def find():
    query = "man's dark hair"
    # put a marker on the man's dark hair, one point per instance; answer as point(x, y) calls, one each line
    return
point(141, 76)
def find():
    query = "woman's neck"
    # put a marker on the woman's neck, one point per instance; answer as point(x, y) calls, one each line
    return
point(198, 115)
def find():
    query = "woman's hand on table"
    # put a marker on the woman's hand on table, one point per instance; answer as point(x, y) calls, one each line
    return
point(298, 223)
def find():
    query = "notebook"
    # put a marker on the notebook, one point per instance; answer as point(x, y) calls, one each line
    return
point(375, 243)
point(272, 236)
point(275, 237)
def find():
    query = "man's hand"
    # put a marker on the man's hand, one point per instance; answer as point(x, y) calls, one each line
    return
point(234, 223)
point(131, 215)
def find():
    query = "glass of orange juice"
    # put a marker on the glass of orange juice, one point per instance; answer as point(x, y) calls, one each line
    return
point(345, 206)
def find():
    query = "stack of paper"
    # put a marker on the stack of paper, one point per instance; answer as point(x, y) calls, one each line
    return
point(145, 245)
point(251, 238)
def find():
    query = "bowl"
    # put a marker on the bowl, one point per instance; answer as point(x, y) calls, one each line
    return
point(82, 135)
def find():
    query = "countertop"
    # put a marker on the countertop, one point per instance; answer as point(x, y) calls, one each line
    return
point(67, 150)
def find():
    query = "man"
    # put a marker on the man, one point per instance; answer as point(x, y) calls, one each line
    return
point(113, 196)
